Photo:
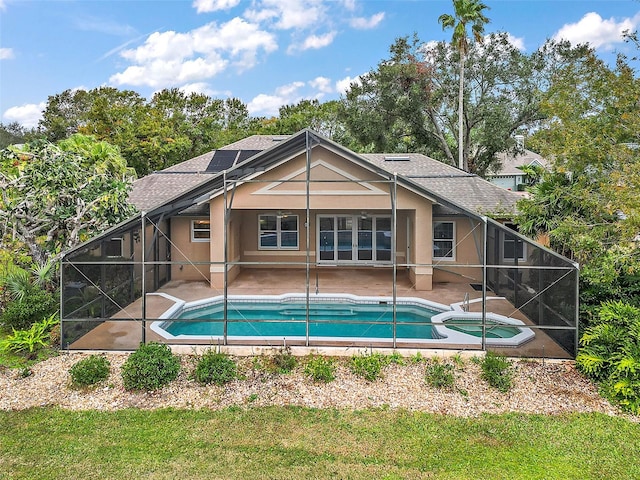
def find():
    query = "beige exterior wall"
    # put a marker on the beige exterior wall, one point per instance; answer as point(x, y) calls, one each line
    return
point(467, 251)
point(338, 187)
point(186, 250)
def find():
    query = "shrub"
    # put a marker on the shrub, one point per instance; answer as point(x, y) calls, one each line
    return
point(283, 361)
point(439, 375)
point(34, 306)
point(368, 366)
point(150, 367)
point(215, 368)
point(610, 353)
point(497, 371)
point(89, 371)
point(30, 340)
point(417, 358)
point(320, 369)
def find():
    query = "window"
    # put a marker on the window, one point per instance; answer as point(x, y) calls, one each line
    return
point(444, 240)
point(512, 245)
point(277, 232)
point(113, 247)
point(200, 230)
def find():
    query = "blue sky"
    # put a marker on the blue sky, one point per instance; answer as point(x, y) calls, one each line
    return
point(266, 52)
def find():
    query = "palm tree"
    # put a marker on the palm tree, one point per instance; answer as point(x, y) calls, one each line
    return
point(465, 12)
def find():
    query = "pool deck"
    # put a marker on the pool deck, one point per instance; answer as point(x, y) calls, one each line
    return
point(126, 335)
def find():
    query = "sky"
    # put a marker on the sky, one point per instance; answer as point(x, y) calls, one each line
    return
point(267, 53)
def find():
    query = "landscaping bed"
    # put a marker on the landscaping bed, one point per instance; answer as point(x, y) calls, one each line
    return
point(537, 387)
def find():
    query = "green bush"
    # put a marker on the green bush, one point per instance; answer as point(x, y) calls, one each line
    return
point(439, 375)
point(150, 367)
point(368, 366)
point(610, 353)
point(36, 305)
point(497, 371)
point(215, 368)
point(283, 361)
point(89, 371)
point(32, 339)
point(320, 369)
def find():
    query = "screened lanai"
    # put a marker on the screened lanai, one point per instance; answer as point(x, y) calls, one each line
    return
point(307, 244)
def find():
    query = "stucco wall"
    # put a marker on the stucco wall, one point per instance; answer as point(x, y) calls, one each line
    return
point(184, 250)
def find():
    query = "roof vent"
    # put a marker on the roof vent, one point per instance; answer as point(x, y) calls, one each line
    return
point(396, 158)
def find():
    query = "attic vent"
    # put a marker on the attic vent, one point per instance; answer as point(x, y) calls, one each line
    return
point(396, 158)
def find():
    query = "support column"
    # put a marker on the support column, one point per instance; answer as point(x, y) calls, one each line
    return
point(422, 272)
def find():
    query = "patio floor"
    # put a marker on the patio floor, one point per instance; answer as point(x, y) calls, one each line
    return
point(126, 335)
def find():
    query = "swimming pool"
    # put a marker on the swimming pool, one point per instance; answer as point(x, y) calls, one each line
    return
point(336, 318)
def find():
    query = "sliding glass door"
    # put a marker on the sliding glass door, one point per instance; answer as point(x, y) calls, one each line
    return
point(354, 238)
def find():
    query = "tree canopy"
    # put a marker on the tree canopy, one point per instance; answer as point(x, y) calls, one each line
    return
point(408, 102)
point(56, 196)
point(588, 205)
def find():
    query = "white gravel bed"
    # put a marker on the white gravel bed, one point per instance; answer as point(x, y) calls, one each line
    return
point(546, 388)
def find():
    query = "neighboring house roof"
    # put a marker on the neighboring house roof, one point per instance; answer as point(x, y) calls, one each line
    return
point(458, 187)
point(510, 162)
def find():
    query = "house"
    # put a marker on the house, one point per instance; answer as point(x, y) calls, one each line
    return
point(510, 176)
point(303, 203)
point(350, 207)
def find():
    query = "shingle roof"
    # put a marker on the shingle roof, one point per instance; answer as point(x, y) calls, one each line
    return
point(461, 188)
point(158, 187)
point(511, 162)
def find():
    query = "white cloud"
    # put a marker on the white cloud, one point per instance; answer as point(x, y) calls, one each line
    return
point(322, 84)
point(517, 42)
point(595, 30)
point(198, 87)
point(3, 5)
point(288, 14)
point(313, 42)
point(345, 84)
point(161, 46)
point(168, 58)
point(362, 23)
point(26, 115)
point(264, 104)
point(162, 73)
point(206, 6)
point(349, 4)
point(6, 53)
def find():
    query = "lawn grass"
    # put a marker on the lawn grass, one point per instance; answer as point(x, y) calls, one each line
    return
point(301, 443)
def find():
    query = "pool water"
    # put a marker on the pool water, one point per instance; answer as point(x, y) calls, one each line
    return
point(492, 330)
point(268, 319)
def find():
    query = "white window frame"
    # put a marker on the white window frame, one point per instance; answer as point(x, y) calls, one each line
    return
point(515, 240)
point(121, 241)
point(452, 258)
point(278, 232)
point(195, 229)
point(354, 238)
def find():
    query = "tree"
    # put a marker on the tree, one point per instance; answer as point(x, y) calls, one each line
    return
point(466, 13)
point(588, 204)
point(408, 102)
point(152, 135)
point(64, 114)
point(320, 117)
point(13, 133)
point(54, 197)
